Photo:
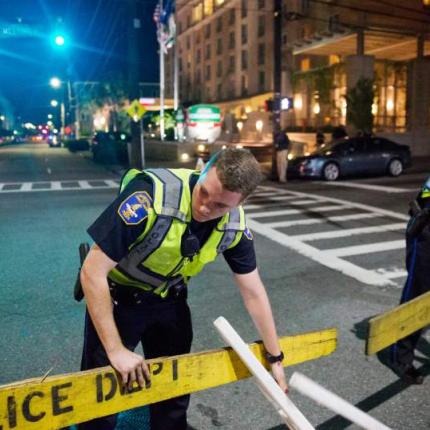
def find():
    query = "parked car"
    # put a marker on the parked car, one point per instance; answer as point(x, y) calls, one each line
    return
point(110, 147)
point(353, 157)
point(54, 141)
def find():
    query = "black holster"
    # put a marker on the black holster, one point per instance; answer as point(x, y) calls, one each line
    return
point(78, 293)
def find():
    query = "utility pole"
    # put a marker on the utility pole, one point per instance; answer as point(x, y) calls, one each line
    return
point(161, 48)
point(133, 36)
point(277, 67)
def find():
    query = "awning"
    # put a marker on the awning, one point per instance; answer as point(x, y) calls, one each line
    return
point(383, 45)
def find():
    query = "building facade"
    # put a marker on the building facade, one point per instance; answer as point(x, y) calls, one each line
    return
point(225, 50)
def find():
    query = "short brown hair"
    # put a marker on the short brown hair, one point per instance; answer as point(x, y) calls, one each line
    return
point(238, 170)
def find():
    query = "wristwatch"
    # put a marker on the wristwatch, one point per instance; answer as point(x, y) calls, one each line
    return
point(274, 358)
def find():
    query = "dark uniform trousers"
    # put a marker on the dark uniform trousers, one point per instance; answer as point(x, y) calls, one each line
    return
point(164, 328)
point(417, 283)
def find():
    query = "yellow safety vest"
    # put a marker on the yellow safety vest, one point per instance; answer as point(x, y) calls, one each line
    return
point(154, 261)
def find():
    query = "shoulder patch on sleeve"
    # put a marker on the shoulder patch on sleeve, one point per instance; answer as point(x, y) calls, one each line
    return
point(134, 209)
point(248, 234)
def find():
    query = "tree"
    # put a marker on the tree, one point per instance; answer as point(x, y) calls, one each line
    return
point(359, 105)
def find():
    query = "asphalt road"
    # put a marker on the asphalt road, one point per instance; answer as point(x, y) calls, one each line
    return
point(319, 270)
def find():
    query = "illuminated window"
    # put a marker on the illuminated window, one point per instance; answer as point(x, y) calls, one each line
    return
point(333, 59)
point(305, 64)
point(197, 13)
point(208, 7)
point(219, 2)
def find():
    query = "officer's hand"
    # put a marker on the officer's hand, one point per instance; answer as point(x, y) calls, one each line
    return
point(279, 375)
point(131, 367)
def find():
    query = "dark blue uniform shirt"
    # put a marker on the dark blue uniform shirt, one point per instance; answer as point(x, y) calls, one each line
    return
point(115, 237)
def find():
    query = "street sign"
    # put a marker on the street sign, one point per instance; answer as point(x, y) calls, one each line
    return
point(18, 30)
point(136, 110)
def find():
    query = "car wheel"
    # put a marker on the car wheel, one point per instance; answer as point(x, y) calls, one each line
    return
point(395, 167)
point(331, 172)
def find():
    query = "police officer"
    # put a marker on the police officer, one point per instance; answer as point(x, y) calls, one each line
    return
point(162, 229)
point(417, 282)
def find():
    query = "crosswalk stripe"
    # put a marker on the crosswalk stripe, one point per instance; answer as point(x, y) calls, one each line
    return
point(348, 251)
point(85, 185)
point(56, 185)
point(278, 204)
point(396, 274)
point(111, 183)
point(26, 186)
point(296, 211)
point(365, 276)
point(349, 232)
point(359, 185)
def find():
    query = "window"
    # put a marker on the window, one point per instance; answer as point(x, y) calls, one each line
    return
point(208, 72)
point(219, 91)
point(198, 37)
point(208, 31)
point(231, 63)
point(231, 16)
point(208, 7)
point(244, 60)
point(231, 40)
point(261, 4)
point(197, 13)
point(244, 34)
point(198, 77)
point(244, 85)
point(188, 42)
point(261, 80)
point(261, 53)
point(243, 7)
point(208, 52)
point(219, 69)
point(219, 25)
point(179, 27)
point(261, 25)
point(188, 21)
point(219, 46)
point(198, 56)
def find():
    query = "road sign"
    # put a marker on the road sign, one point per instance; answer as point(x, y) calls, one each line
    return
point(58, 401)
point(136, 110)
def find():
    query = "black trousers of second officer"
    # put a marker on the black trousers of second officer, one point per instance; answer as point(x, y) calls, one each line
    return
point(164, 328)
point(417, 283)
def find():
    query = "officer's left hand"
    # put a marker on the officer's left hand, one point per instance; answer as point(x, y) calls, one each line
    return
point(279, 375)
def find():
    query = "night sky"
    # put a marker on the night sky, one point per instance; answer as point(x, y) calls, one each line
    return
point(97, 49)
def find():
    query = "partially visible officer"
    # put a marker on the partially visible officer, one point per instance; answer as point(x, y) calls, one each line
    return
point(417, 282)
point(163, 228)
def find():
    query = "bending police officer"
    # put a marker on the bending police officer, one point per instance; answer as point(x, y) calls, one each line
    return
point(417, 282)
point(162, 229)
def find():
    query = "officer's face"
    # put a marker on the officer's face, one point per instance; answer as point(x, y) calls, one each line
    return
point(210, 200)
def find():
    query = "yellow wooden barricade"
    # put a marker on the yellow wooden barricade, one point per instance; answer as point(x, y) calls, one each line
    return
point(62, 400)
point(389, 327)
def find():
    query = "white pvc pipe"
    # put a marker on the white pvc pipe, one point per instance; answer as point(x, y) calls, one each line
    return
point(273, 392)
point(333, 402)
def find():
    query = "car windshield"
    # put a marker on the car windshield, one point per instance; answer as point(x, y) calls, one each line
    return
point(329, 147)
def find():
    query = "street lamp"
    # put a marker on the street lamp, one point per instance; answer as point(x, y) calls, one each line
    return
point(54, 103)
point(55, 82)
point(59, 40)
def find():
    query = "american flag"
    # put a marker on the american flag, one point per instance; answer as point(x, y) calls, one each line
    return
point(157, 13)
point(166, 27)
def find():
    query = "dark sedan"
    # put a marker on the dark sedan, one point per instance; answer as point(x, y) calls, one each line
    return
point(353, 157)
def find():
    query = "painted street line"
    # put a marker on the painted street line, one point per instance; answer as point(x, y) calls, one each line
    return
point(67, 185)
point(329, 208)
point(333, 258)
point(278, 204)
point(348, 251)
point(349, 232)
point(362, 186)
point(310, 221)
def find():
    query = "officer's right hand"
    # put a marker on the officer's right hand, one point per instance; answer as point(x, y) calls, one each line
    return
point(131, 367)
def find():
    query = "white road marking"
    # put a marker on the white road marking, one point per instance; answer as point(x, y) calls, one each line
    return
point(69, 185)
point(348, 251)
point(392, 273)
point(320, 221)
point(85, 185)
point(332, 258)
point(281, 212)
point(279, 204)
point(349, 232)
point(362, 186)
point(26, 186)
point(349, 269)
